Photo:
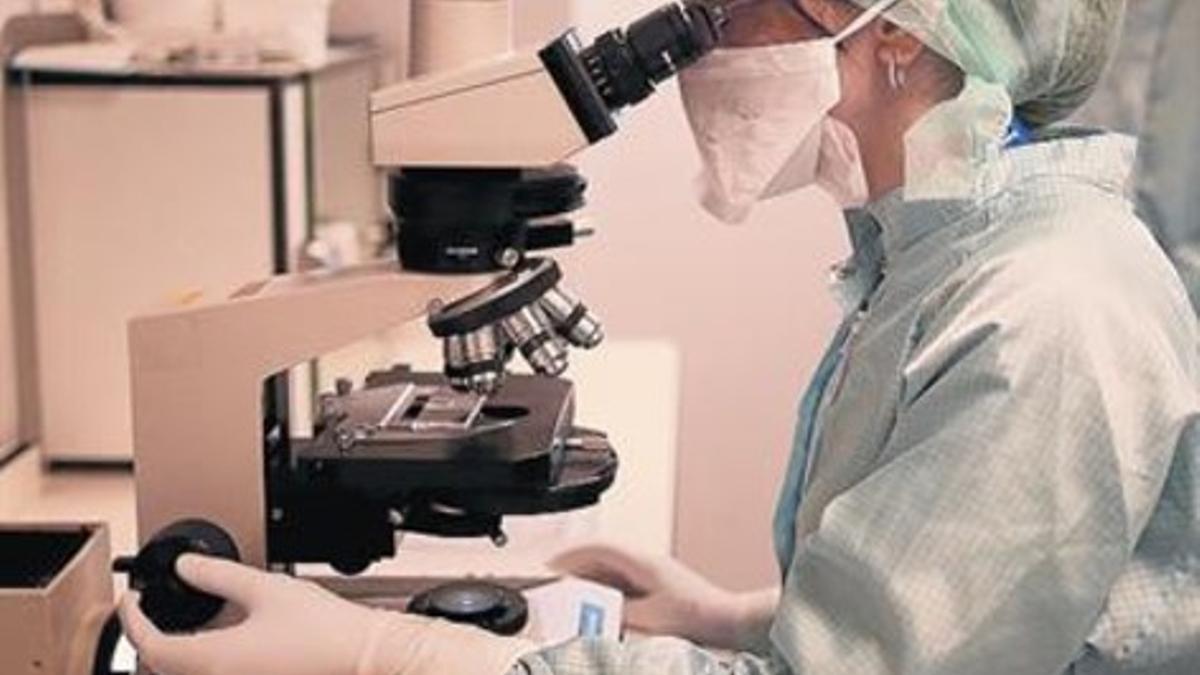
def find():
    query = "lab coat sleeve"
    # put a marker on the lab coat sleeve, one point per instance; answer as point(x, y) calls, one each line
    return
point(1036, 428)
point(654, 656)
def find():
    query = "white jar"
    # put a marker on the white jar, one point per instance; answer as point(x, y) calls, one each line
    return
point(171, 19)
point(298, 29)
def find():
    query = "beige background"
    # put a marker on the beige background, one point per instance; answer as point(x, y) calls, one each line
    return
point(745, 307)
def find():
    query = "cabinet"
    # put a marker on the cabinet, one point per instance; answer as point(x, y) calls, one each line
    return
point(155, 187)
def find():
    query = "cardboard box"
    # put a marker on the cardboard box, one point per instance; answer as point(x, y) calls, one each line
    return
point(55, 597)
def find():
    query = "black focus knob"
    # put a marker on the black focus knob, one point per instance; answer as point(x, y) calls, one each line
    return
point(482, 604)
point(168, 601)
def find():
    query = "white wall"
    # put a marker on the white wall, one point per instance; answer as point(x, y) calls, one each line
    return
point(747, 307)
point(386, 21)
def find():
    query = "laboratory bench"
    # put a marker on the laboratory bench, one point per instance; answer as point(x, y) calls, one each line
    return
point(270, 73)
point(627, 389)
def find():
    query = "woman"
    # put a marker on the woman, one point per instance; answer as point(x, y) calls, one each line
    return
point(994, 469)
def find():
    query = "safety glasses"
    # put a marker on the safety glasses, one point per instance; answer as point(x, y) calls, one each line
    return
point(766, 22)
point(755, 23)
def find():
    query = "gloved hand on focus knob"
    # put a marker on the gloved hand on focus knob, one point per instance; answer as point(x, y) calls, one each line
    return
point(294, 627)
point(664, 597)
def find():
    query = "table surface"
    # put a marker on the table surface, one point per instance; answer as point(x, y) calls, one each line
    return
point(189, 72)
point(628, 389)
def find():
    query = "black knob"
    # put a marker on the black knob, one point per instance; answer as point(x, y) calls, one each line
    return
point(168, 601)
point(482, 604)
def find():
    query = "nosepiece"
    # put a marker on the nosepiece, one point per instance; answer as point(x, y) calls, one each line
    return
point(526, 310)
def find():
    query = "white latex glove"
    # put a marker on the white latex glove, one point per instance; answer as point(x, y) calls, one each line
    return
point(294, 627)
point(664, 597)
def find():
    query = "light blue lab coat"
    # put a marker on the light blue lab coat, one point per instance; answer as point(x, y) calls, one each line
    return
point(996, 468)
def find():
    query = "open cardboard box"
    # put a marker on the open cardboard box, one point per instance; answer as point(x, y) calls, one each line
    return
point(56, 599)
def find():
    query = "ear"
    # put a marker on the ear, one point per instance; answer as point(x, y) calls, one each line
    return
point(896, 45)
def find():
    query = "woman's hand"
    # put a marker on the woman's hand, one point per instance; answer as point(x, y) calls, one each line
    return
point(664, 597)
point(294, 627)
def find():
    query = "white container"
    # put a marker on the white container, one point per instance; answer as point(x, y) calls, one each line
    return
point(450, 34)
point(296, 29)
point(169, 19)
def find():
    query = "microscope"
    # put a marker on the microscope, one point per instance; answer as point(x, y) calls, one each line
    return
point(477, 185)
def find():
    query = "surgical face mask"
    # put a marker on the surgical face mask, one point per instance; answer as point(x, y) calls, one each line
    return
point(760, 116)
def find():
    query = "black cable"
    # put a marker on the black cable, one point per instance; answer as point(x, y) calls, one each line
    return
point(106, 650)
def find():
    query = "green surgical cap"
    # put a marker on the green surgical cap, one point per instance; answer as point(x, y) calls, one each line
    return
point(1048, 54)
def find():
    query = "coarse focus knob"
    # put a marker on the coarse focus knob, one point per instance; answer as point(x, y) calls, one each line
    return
point(168, 601)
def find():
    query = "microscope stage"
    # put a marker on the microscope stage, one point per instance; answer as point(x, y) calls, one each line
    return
point(410, 453)
point(421, 433)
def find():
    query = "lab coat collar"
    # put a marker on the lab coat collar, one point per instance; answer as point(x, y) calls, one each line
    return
point(855, 279)
point(903, 223)
point(1103, 160)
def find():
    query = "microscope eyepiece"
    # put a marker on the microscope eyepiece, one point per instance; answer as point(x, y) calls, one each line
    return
point(625, 65)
